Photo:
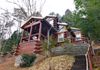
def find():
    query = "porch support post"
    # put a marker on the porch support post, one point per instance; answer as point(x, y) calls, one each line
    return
point(40, 28)
point(22, 36)
point(30, 33)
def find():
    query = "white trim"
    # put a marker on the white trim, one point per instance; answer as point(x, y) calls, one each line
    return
point(87, 64)
point(63, 24)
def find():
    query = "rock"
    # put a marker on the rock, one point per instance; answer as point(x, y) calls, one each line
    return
point(18, 61)
point(58, 50)
point(2, 59)
point(72, 50)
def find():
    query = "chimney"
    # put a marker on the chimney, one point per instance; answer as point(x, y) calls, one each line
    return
point(56, 26)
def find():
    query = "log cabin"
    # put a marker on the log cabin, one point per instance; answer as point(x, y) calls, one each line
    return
point(37, 29)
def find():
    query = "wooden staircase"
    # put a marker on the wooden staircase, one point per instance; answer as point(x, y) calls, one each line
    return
point(80, 63)
point(29, 48)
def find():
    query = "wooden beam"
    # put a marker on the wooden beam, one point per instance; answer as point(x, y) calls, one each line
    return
point(32, 24)
point(44, 36)
point(50, 17)
point(34, 34)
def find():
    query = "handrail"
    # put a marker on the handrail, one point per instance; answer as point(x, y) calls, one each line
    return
point(86, 56)
point(88, 59)
point(87, 64)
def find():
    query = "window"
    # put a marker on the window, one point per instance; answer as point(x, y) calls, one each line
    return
point(78, 36)
point(61, 37)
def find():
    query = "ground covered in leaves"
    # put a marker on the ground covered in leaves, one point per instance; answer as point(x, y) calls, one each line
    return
point(63, 62)
point(8, 64)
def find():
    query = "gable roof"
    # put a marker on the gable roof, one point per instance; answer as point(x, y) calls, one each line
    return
point(29, 20)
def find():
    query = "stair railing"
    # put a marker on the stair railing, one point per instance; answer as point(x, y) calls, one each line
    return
point(89, 58)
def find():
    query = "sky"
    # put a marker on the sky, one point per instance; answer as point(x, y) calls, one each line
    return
point(57, 6)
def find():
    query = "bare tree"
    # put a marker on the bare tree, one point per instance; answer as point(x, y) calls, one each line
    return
point(6, 22)
point(23, 10)
point(28, 7)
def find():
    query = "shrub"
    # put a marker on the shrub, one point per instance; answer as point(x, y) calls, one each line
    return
point(52, 44)
point(28, 60)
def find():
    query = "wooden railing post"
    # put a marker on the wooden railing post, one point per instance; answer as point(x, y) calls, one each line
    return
point(30, 33)
point(87, 63)
point(89, 59)
point(90, 62)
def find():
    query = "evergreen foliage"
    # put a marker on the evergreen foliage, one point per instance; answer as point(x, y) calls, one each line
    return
point(11, 43)
point(28, 60)
point(86, 17)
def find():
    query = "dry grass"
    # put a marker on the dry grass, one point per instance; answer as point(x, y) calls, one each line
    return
point(63, 62)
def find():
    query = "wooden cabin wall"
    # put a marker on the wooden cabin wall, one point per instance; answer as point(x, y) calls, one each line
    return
point(55, 23)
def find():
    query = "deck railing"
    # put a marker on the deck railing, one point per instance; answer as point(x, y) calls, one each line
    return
point(89, 59)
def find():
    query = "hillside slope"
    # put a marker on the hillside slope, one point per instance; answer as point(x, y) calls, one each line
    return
point(63, 62)
point(9, 65)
